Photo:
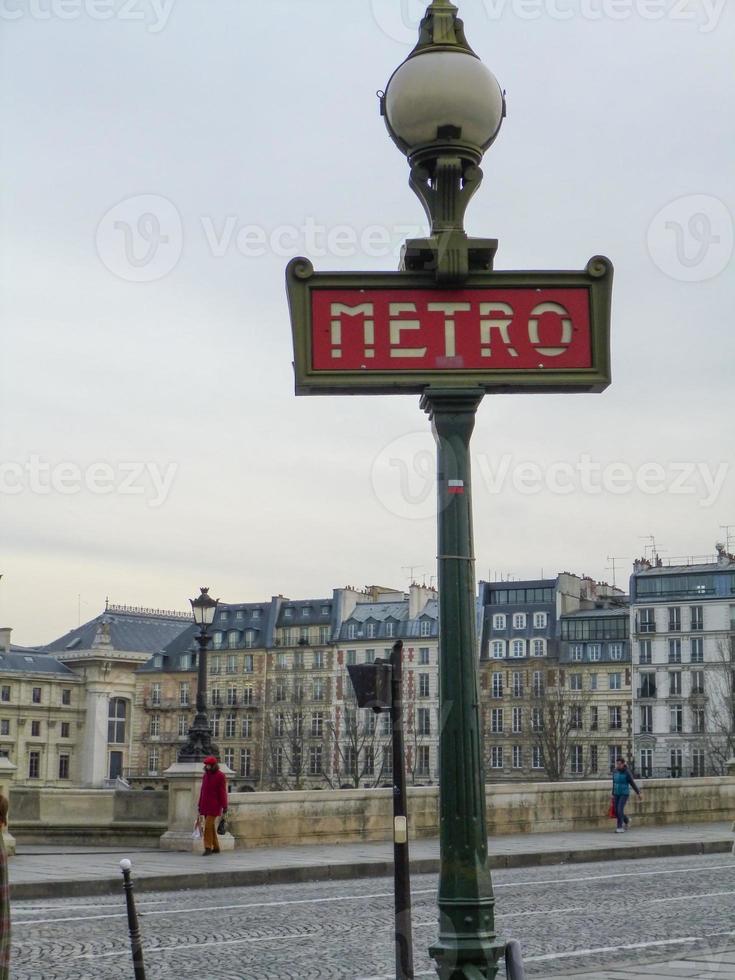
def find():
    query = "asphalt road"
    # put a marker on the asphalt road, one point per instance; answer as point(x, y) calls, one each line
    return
point(569, 919)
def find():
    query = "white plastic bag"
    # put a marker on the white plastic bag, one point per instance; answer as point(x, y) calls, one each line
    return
point(196, 833)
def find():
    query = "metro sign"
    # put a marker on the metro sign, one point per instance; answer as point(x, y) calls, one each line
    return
point(398, 332)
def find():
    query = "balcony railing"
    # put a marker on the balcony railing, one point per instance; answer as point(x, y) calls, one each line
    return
point(648, 691)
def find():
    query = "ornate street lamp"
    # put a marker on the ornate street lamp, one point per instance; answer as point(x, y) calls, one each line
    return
point(199, 743)
point(443, 109)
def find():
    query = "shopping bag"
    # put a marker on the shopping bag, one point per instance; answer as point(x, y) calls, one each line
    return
point(611, 809)
point(197, 831)
point(222, 826)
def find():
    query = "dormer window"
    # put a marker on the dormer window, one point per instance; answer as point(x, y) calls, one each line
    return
point(390, 629)
point(288, 612)
point(306, 610)
point(425, 627)
point(256, 613)
point(370, 628)
point(325, 610)
point(351, 631)
point(223, 616)
point(240, 614)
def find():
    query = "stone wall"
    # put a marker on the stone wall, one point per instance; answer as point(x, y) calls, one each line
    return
point(87, 816)
point(342, 816)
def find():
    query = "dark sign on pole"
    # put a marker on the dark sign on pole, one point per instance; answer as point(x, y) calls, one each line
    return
point(399, 332)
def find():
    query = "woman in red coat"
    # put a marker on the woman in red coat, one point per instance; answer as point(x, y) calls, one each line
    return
point(212, 802)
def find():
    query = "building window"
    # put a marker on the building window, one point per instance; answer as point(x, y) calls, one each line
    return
point(594, 651)
point(351, 657)
point(676, 759)
point(390, 629)
point(539, 648)
point(593, 759)
point(614, 752)
point(424, 657)
point(647, 621)
point(615, 681)
point(498, 621)
point(517, 684)
point(280, 691)
point(648, 684)
point(498, 649)
point(697, 682)
point(248, 695)
point(675, 651)
point(698, 721)
point(697, 649)
point(230, 722)
point(674, 619)
point(66, 696)
point(519, 621)
point(576, 760)
point(217, 639)
point(65, 729)
point(370, 656)
point(319, 689)
point(576, 717)
point(676, 718)
point(351, 631)
point(5, 726)
point(154, 725)
point(616, 651)
point(36, 695)
point(184, 694)
point(423, 720)
point(646, 763)
point(278, 757)
point(577, 652)
point(36, 729)
point(369, 761)
point(249, 638)
point(592, 682)
point(231, 695)
point(540, 620)
point(156, 694)
point(231, 663)
point(496, 757)
point(537, 757)
point(246, 729)
point(215, 667)
point(370, 631)
point(675, 683)
point(497, 685)
point(183, 725)
point(317, 724)
point(517, 721)
point(424, 686)
point(233, 641)
point(5, 693)
point(34, 765)
point(518, 648)
point(615, 717)
point(215, 696)
point(517, 756)
point(425, 627)
point(116, 717)
point(646, 719)
point(230, 758)
point(496, 720)
point(280, 725)
point(423, 757)
point(575, 682)
point(153, 758)
point(538, 683)
point(594, 712)
point(319, 660)
point(63, 766)
point(698, 762)
point(215, 720)
point(644, 652)
point(315, 760)
point(246, 762)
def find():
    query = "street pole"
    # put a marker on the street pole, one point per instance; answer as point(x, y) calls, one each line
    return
point(199, 743)
point(467, 946)
point(402, 880)
point(136, 945)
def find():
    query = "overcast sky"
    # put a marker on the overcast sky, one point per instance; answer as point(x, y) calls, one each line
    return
point(162, 161)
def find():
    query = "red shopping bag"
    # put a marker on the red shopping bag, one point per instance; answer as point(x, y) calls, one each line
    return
point(611, 809)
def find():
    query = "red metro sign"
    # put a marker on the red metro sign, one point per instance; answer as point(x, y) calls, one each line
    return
point(399, 332)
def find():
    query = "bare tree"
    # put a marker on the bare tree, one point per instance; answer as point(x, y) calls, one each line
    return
point(354, 743)
point(713, 708)
point(557, 720)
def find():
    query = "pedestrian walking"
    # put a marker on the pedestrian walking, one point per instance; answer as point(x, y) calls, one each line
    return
point(212, 802)
point(622, 781)
point(4, 897)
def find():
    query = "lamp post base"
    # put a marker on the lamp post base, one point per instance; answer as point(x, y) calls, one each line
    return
point(199, 744)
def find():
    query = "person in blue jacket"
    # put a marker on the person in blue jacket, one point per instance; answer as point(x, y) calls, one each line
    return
point(622, 780)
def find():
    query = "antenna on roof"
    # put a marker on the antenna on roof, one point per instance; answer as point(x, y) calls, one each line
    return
point(411, 569)
point(608, 568)
point(727, 528)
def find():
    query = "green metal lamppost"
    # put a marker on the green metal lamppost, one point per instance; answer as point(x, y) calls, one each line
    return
point(443, 109)
point(199, 744)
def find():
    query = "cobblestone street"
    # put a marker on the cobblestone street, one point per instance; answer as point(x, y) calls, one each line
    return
point(569, 919)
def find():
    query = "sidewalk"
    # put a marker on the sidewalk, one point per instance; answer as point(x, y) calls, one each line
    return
point(717, 966)
point(51, 871)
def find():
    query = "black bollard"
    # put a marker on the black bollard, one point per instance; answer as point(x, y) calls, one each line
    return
point(135, 943)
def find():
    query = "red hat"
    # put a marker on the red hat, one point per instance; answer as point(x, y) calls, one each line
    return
point(211, 760)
